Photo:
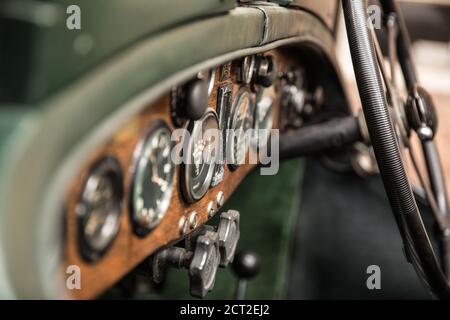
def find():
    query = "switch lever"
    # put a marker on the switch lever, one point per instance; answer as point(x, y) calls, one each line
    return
point(246, 266)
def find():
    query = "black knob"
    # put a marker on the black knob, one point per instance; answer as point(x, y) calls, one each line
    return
point(196, 99)
point(246, 265)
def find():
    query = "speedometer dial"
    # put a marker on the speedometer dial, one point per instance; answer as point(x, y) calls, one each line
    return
point(153, 180)
point(201, 156)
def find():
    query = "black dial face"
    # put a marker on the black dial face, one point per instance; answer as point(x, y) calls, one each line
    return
point(99, 208)
point(263, 118)
point(153, 180)
point(242, 120)
point(202, 154)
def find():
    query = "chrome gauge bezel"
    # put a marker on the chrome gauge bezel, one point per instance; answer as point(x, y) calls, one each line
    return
point(141, 165)
point(93, 249)
point(209, 76)
point(234, 141)
point(190, 192)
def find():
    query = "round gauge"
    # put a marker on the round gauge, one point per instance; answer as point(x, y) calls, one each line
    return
point(202, 151)
point(153, 179)
point(242, 120)
point(263, 118)
point(98, 211)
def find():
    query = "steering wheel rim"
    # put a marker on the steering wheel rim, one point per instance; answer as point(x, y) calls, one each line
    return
point(418, 247)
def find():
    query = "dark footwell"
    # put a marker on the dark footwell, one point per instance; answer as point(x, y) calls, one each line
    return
point(344, 226)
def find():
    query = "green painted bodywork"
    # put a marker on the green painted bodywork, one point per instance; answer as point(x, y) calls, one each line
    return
point(71, 100)
point(42, 55)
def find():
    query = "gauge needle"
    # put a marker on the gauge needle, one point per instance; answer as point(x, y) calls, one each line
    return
point(161, 183)
point(155, 176)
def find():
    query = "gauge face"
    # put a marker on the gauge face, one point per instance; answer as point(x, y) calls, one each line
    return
point(153, 180)
point(263, 118)
point(202, 155)
point(99, 209)
point(242, 120)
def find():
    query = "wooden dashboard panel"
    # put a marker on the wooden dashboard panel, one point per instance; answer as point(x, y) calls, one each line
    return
point(127, 249)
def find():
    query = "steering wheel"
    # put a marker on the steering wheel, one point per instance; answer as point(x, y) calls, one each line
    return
point(391, 122)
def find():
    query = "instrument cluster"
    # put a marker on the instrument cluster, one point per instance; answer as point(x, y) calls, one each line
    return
point(148, 186)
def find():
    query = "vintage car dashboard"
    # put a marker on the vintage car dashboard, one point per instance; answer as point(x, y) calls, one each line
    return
point(104, 195)
point(130, 199)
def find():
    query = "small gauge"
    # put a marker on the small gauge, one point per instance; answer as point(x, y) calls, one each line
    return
point(263, 118)
point(242, 120)
point(153, 179)
point(99, 208)
point(201, 157)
